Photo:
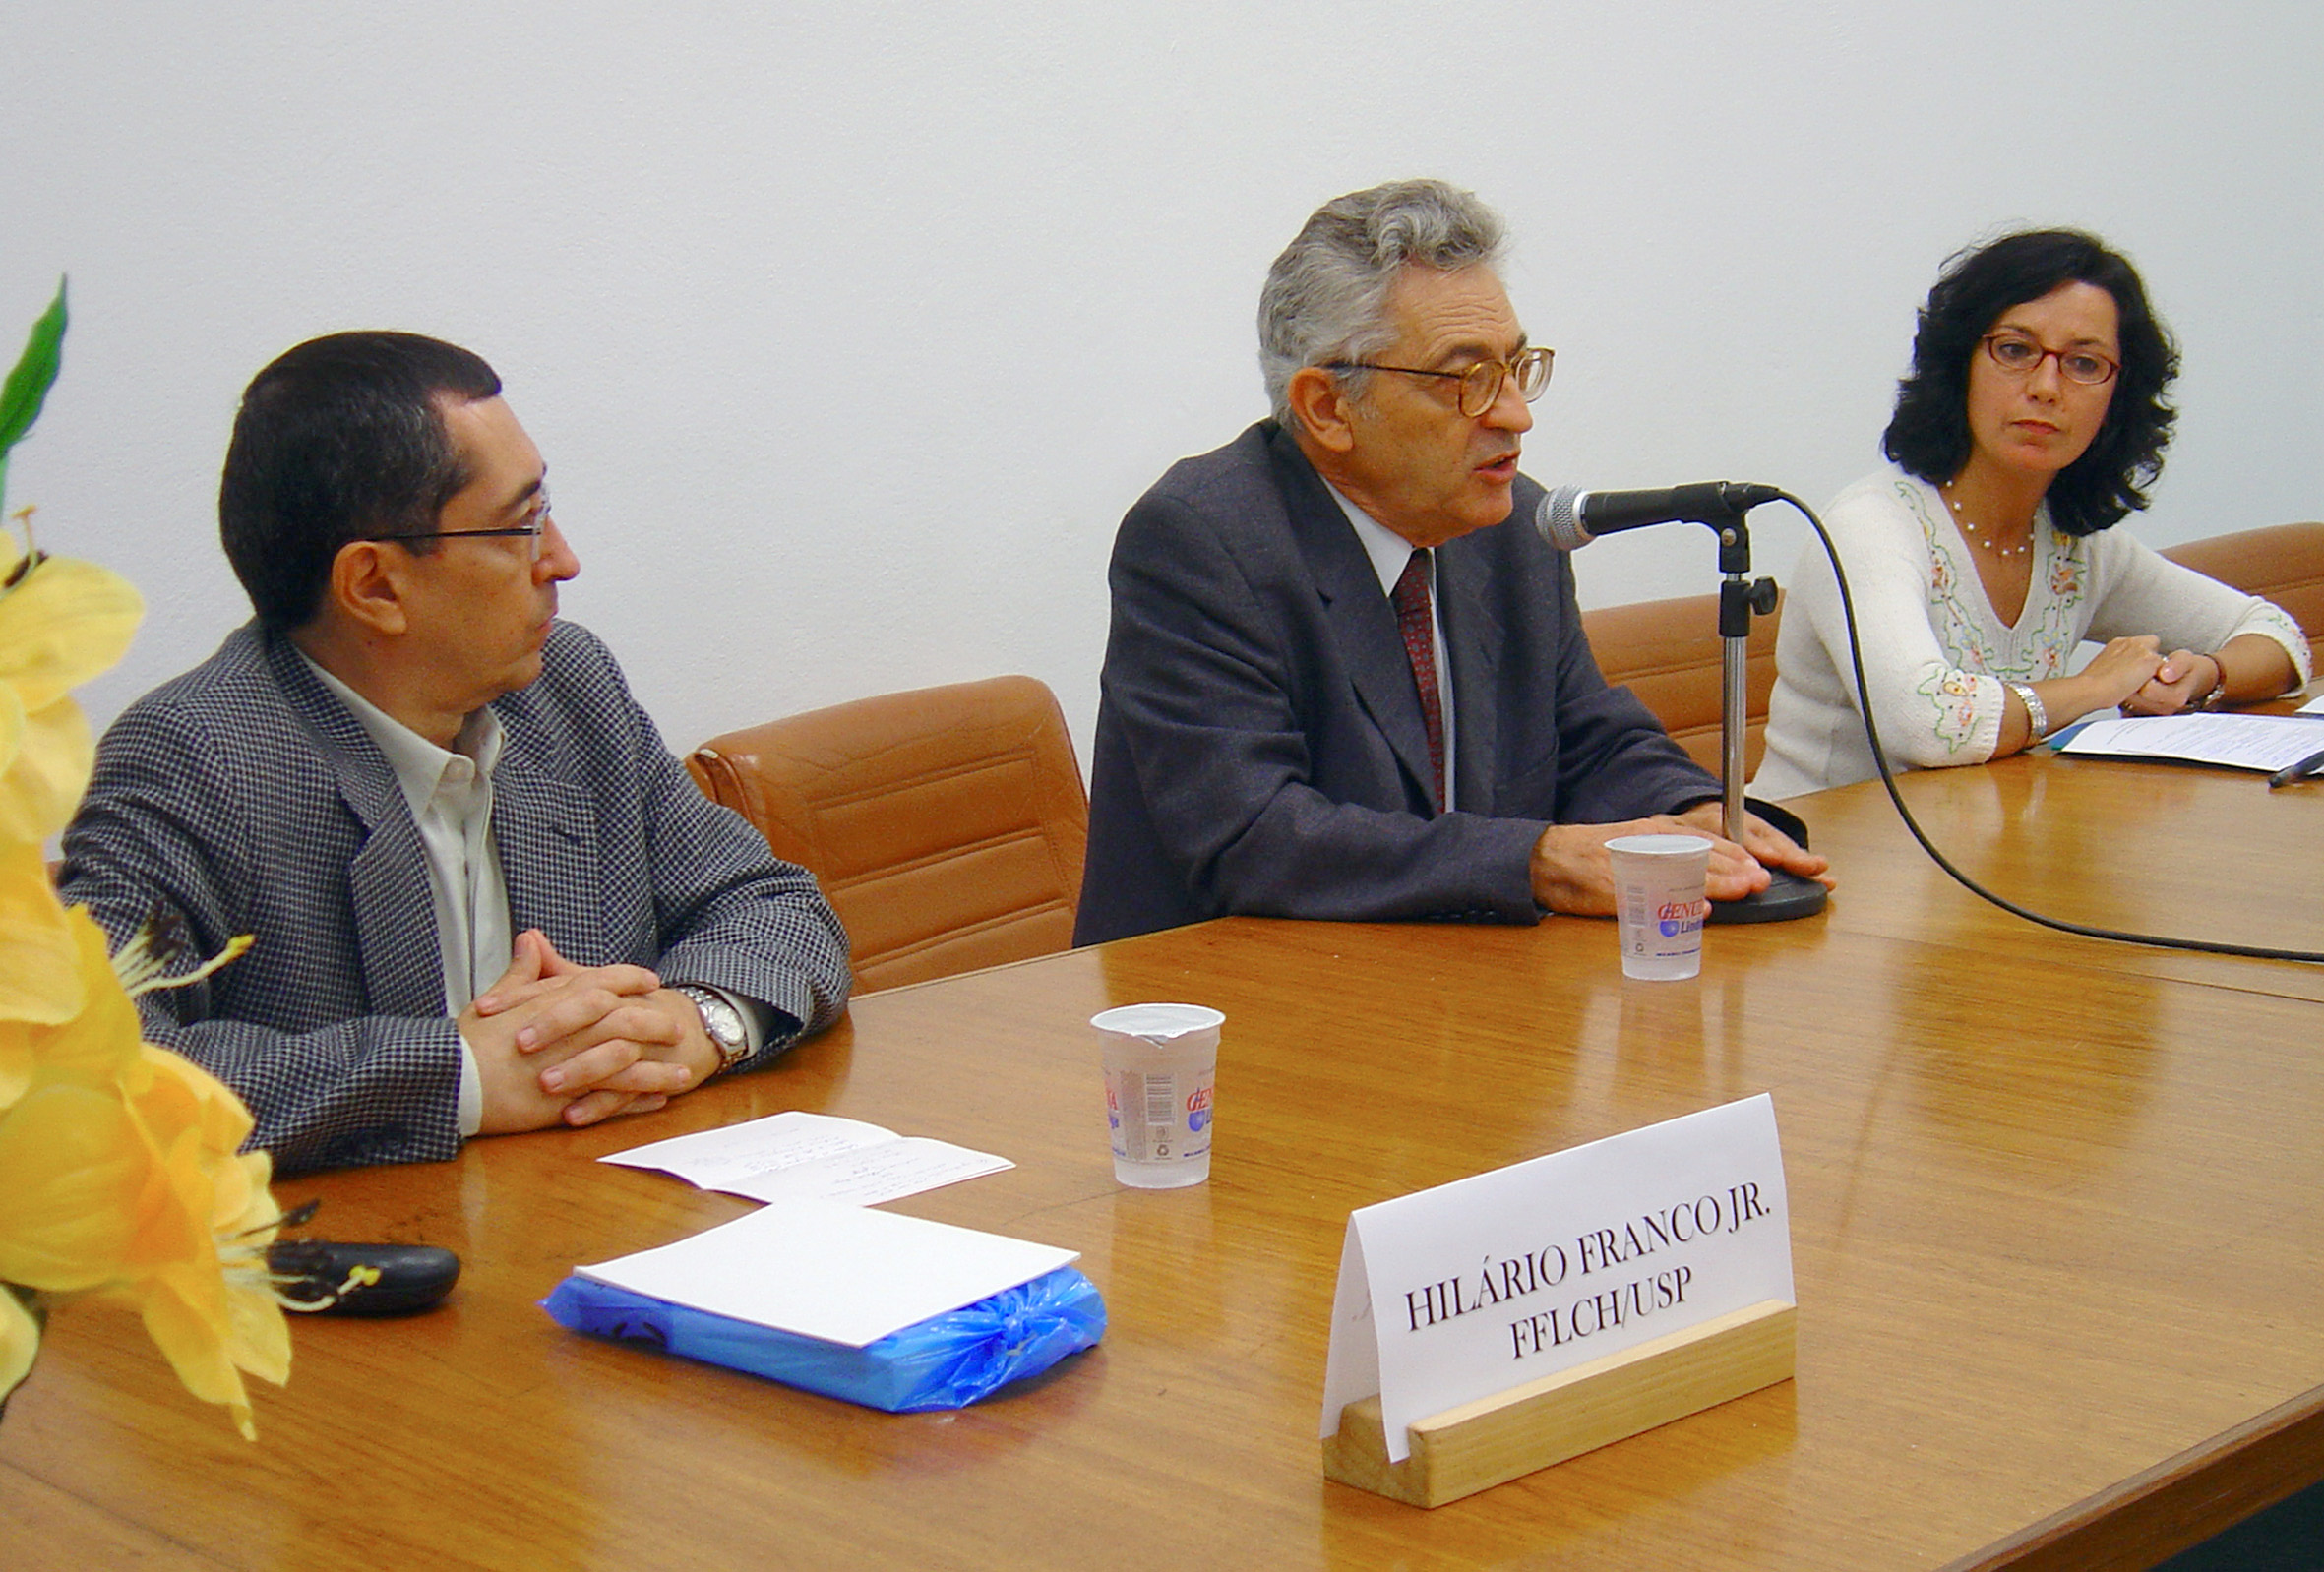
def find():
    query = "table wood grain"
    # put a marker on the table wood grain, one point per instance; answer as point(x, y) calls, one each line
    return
point(2057, 1254)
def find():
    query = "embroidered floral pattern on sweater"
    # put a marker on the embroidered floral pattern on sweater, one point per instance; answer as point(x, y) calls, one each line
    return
point(1951, 695)
point(1970, 632)
point(2052, 639)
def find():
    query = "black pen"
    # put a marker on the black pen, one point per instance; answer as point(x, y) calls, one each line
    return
point(2306, 767)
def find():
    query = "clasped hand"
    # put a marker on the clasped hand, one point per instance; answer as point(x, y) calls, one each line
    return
point(2181, 681)
point(559, 1042)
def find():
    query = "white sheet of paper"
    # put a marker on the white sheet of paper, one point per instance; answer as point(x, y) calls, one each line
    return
point(846, 1274)
point(2238, 742)
point(811, 1154)
point(2314, 706)
point(1484, 1284)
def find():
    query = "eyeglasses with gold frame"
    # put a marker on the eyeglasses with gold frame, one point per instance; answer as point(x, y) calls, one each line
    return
point(1480, 383)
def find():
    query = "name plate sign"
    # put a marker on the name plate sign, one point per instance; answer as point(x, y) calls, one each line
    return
point(1470, 1289)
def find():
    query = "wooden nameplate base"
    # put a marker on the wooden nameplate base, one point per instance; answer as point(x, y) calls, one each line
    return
point(1495, 1439)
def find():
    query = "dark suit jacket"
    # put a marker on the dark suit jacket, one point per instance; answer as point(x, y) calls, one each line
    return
point(243, 797)
point(1260, 742)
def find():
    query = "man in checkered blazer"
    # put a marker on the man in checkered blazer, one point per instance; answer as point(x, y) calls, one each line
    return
point(484, 896)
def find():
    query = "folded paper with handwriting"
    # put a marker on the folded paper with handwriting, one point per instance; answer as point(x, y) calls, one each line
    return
point(894, 1312)
point(786, 1155)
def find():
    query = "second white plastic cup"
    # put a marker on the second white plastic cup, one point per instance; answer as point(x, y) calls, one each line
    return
point(1659, 903)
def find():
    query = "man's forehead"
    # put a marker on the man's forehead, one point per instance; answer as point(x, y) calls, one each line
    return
point(477, 420)
point(492, 444)
point(1447, 311)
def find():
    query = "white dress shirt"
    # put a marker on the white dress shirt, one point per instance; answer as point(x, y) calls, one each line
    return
point(450, 794)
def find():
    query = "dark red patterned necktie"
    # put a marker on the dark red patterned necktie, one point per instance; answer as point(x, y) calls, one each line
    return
point(1411, 600)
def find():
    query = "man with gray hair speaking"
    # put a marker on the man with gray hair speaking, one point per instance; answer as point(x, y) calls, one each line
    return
point(1334, 686)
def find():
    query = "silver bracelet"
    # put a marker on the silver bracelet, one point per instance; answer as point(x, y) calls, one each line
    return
point(2218, 690)
point(2036, 718)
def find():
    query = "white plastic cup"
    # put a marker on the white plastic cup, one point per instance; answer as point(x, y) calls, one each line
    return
point(1659, 902)
point(1161, 1061)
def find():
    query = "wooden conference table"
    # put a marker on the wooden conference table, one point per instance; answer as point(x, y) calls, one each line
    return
point(2060, 1257)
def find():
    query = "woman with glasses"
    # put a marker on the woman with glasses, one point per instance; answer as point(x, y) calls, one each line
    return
point(2032, 421)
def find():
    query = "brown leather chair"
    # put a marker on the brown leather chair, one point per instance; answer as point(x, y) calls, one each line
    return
point(945, 826)
point(1668, 652)
point(2284, 563)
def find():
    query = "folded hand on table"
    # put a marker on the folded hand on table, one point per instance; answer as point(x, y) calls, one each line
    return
point(556, 1042)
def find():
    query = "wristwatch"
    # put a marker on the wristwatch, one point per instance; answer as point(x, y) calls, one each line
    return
point(723, 1021)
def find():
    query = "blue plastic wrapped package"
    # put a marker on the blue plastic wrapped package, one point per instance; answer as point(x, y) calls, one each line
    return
point(946, 1361)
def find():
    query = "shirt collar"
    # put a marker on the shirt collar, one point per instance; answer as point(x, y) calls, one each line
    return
point(420, 764)
point(1389, 552)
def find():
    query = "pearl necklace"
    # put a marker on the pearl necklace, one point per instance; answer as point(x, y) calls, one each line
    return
point(1987, 542)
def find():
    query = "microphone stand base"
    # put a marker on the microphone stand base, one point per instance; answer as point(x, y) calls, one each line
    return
point(1787, 896)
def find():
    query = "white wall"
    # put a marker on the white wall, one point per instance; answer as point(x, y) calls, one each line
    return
point(849, 333)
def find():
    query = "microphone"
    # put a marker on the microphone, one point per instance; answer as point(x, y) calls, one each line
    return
point(1571, 518)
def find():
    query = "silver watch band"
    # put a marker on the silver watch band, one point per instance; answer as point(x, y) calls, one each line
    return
point(722, 1022)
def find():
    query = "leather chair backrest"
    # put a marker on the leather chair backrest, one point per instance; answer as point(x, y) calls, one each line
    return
point(1669, 653)
point(945, 826)
point(2283, 563)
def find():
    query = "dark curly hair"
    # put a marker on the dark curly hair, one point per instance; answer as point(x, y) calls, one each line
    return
point(1929, 435)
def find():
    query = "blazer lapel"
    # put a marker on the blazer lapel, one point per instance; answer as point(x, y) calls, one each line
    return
point(401, 959)
point(1473, 642)
point(545, 829)
point(1362, 622)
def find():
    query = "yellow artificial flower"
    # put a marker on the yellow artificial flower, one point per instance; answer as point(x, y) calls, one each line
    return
point(119, 1174)
point(84, 1191)
point(61, 623)
point(20, 1340)
point(40, 981)
point(91, 1042)
point(120, 1168)
point(213, 1311)
point(74, 1164)
point(91, 1046)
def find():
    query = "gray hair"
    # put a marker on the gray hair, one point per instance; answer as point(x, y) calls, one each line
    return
point(1326, 295)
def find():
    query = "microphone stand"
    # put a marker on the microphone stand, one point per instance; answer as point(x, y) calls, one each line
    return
point(1787, 896)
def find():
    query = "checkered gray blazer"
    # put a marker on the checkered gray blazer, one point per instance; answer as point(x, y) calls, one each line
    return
point(245, 798)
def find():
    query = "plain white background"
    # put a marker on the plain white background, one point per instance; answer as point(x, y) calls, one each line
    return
point(849, 333)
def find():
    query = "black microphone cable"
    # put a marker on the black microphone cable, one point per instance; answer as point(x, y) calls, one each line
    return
point(1863, 709)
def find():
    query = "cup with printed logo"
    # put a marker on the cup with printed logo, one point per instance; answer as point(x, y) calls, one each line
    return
point(1160, 1063)
point(1659, 903)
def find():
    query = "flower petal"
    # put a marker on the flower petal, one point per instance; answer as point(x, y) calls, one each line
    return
point(190, 1323)
point(16, 1063)
point(40, 790)
point(261, 1337)
point(99, 1045)
point(20, 1340)
point(61, 623)
point(12, 720)
point(40, 980)
point(76, 1173)
point(208, 1106)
